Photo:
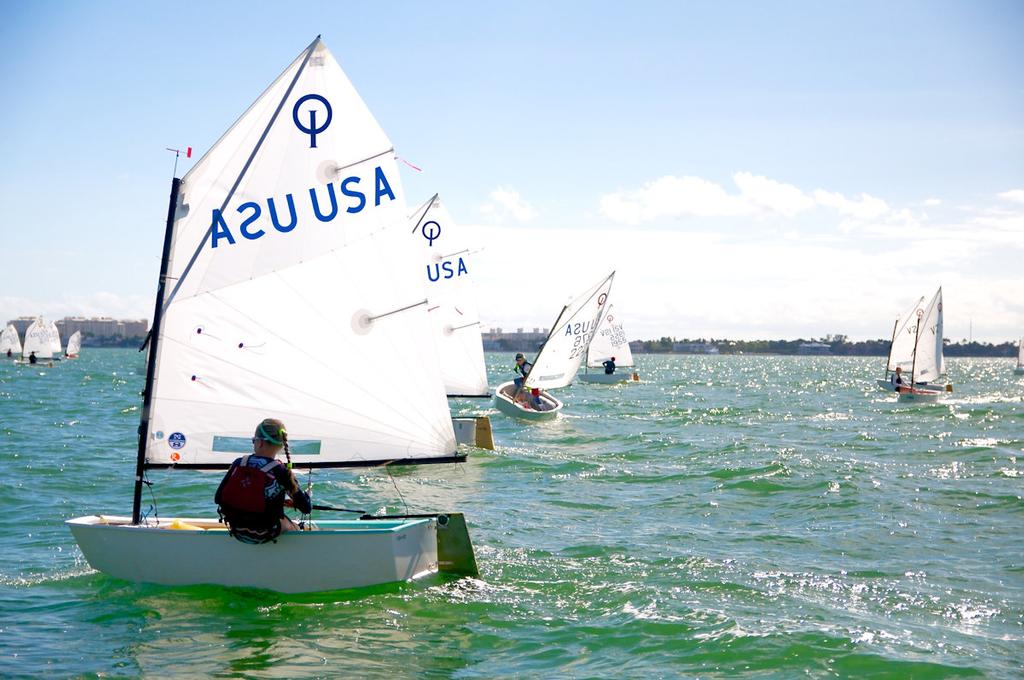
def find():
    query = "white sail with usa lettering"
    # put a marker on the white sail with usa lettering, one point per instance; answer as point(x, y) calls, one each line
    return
point(609, 341)
point(566, 346)
point(291, 229)
point(37, 340)
point(929, 364)
point(452, 303)
point(9, 340)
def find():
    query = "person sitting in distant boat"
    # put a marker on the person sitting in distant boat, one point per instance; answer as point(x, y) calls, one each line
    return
point(609, 366)
point(536, 400)
point(523, 367)
point(251, 497)
point(9, 353)
point(896, 379)
point(32, 358)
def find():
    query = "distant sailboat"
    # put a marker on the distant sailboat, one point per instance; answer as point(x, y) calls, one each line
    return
point(928, 367)
point(37, 342)
point(609, 343)
point(1020, 358)
point(74, 347)
point(559, 358)
point(451, 302)
point(288, 231)
point(901, 349)
point(10, 342)
point(54, 334)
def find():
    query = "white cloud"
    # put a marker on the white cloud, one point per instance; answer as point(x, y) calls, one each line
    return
point(931, 202)
point(1014, 195)
point(758, 196)
point(864, 208)
point(770, 195)
point(689, 196)
point(505, 203)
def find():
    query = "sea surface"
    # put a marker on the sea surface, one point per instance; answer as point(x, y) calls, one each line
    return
point(746, 516)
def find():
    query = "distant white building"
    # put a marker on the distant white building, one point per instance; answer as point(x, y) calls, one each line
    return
point(814, 348)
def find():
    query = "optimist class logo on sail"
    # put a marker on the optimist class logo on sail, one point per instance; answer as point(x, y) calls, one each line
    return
point(324, 203)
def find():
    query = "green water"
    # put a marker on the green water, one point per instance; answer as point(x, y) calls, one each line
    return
point(730, 516)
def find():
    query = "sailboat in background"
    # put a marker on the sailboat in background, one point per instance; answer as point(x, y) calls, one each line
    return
point(1020, 358)
point(10, 342)
point(609, 343)
point(451, 303)
point(74, 347)
point(559, 358)
point(37, 341)
point(290, 230)
point(928, 367)
point(901, 347)
point(55, 347)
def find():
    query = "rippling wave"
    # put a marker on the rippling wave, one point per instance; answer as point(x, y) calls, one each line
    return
point(728, 516)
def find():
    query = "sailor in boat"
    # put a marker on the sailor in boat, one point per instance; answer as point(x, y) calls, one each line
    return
point(535, 399)
point(523, 368)
point(251, 497)
point(896, 379)
point(32, 358)
point(609, 366)
point(9, 353)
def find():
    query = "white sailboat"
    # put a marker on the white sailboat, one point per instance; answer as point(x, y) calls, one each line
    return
point(609, 343)
point(37, 342)
point(290, 229)
point(559, 358)
point(453, 314)
point(10, 342)
point(1020, 358)
point(928, 367)
point(55, 347)
point(452, 303)
point(74, 347)
point(901, 348)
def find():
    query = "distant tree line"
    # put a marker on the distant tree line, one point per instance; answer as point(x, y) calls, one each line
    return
point(839, 345)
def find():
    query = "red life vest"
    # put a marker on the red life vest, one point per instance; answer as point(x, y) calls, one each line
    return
point(244, 489)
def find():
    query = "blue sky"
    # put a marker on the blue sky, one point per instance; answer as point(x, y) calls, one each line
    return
point(749, 169)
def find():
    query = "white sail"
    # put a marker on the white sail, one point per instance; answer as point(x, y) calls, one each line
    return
point(566, 346)
point(902, 352)
point(609, 341)
point(54, 338)
point(74, 344)
point(292, 229)
point(10, 341)
point(928, 362)
point(37, 339)
point(452, 303)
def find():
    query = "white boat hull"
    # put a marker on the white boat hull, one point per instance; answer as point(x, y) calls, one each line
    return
point(609, 378)
point(886, 386)
point(504, 402)
point(918, 395)
point(337, 554)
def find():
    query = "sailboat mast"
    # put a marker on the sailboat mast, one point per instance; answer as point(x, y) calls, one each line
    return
point(892, 342)
point(913, 364)
point(154, 339)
